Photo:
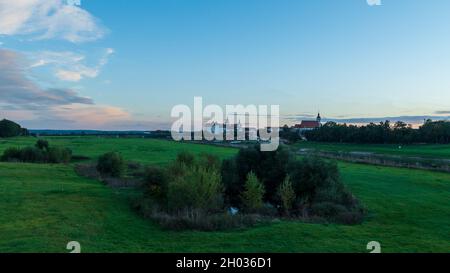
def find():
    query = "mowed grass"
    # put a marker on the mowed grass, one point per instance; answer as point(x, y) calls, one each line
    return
point(416, 150)
point(42, 207)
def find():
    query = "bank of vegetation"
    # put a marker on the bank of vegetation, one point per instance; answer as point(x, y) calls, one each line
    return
point(204, 193)
point(41, 152)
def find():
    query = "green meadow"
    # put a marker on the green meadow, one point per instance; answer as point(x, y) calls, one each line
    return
point(43, 207)
point(415, 150)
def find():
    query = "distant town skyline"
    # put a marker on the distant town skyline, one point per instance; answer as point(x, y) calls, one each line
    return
point(123, 65)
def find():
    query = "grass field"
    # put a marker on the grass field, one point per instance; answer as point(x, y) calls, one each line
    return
point(417, 150)
point(42, 207)
point(149, 151)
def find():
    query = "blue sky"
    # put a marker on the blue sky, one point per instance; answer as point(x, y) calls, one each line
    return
point(124, 64)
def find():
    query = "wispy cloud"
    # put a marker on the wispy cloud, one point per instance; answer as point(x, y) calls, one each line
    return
point(442, 112)
point(18, 90)
point(49, 19)
point(70, 66)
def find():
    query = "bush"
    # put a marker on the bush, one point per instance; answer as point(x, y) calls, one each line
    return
point(12, 154)
point(40, 153)
point(252, 197)
point(186, 158)
point(59, 155)
point(231, 182)
point(156, 183)
point(42, 144)
point(271, 168)
point(198, 189)
point(287, 195)
point(32, 155)
point(111, 164)
point(310, 175)
point(210, 162)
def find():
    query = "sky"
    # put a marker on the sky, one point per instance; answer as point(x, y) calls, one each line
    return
point(123, 65)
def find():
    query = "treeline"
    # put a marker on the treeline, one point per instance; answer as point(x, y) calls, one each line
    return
point(11, 129)
point(436, 132)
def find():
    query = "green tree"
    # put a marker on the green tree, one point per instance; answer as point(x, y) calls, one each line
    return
point(10, 129)
point(199, 189)
point(253, 194)
point(287, 195)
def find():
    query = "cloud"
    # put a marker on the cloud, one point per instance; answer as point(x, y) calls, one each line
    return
point(70, 66)
point(74, 116)
point(88, 116)
point(48, 19)
point(442, 112)
point(23, 100)
point(374, 2)
point(300, 116)
point(17, 90)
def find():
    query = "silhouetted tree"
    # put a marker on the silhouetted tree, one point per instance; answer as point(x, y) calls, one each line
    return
point(11, 129)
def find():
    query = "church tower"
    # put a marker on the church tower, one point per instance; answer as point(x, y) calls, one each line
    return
point(319, 118)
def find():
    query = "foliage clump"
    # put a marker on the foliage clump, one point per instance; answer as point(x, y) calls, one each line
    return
point(253, 194)
point(309, 188)
point(42, 152)
point(111, 164)
point(11, 129)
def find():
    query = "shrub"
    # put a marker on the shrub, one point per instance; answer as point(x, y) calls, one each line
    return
point(156, 183)
point(327, 209)
point(12, 154)
point(111, 164)
point(186, 158)
point(40, 153)
point(231, 182)
point(59, 155)
point(287, 195)
point(198, 189)
point(312, 174)
point(32, 155)
point(209, 161)
point(252, 197)
point(42, 144)
point(270, 168)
